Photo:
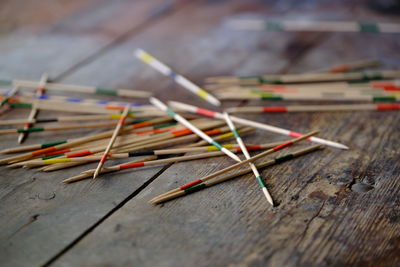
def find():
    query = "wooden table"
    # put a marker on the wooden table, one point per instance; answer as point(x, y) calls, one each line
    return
point(321, 219)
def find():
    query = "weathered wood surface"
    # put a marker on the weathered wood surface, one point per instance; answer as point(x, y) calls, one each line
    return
point(325, 214)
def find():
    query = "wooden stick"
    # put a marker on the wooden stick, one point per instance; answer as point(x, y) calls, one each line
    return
point(9, 95)
point(355, 65)
point(97, 157)
point(151, 163)
point(39, 92)
point(304, 78)
point(144, 145)
point(50, 147)
point(245, 152)
point(334, 96)
point(61, 128)
point(57, 104)
point(234, 166)
point(112, 140)
point(78, 88)
point(179, 79)
point(270, 128)
point(313, 108)
point(182, 120)
point(166, 197)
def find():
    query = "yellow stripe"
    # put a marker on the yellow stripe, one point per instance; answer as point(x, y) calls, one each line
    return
point(228, 146)
point(227, 135)
point(211, 148)
point(53, 161)
point(146, 57)
point(203, 94)
point(115, 116)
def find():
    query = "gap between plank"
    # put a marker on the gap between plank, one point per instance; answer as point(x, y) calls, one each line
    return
point(111, 212)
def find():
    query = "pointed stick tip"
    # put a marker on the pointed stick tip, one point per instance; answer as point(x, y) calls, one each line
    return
point(268, 196)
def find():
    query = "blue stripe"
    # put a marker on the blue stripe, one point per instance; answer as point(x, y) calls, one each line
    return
point(170, 112)
point(217, 145)
point(74, 100)
point(173, 75)
point(43, 97)
point(102, 102)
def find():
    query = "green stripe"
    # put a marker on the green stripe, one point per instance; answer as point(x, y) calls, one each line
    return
point(273, 81)
point(372, 76)
point(273, 26)
point(369, 27)
point(235, 133)
point(164, 125)
point(260, 181)
point(53, 143)
point(103, 91)
point(53, 156)
point(21, 105)
point(270, 97)
point(194, 188)
point(384, 98)
point(216, 145)
point(250, 77)
point(33, 129)
point(170, 112)
point(5, 82)
point(284, 158)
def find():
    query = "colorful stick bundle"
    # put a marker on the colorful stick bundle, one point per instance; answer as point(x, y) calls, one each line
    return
point(162, 141)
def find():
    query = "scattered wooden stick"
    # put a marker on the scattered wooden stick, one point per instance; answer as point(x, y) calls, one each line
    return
point(166, 197)
point(313, 108)
point(182, 120)
point(179, 79)
point(234, 166)
point(270, 128)
point(247, 156)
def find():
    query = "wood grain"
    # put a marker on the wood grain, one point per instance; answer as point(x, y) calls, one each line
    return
point(334, 207)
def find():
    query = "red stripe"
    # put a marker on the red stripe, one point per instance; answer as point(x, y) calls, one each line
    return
point(391, 88)
point(255, 147)
point(131, 165)
point(388, 107)
point(213, 132)
point(78, 154)
point(181, 132)
point(40, 91)
point(282, 146)
point(115, 107)
point(44, 150)
point(381, 84)
point(121, 120)
point(277, 88)
point(295, 134)
point(103, 158)
point(141, 124)
point(205, 112)
point(341, 68)
point(195, 182)
point(274, 109)
point(60, 151)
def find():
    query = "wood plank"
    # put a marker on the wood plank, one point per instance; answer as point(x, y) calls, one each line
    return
point(81, 37)
point(34, 226)
point(324, 216)
point(33, 16)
